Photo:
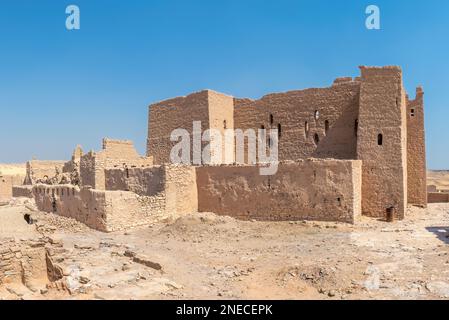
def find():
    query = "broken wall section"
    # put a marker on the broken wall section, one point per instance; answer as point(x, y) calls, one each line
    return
point(111, 210)
point(416, 151)
point(115, 154)
point(325, 190)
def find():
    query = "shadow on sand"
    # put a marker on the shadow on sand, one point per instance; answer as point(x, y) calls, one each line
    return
point(442, 233)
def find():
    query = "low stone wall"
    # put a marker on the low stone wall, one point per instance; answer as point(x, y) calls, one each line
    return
point(326, 190)
point(111, 210)
point(6, 185)
point(437, 197)
point(22, 191)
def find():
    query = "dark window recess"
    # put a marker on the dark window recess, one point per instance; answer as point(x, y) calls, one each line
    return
point(412, 112)
point(279, 130)
point(380, 139)
point(316, 138)
point(356, 127)
point(326, 126)
point(224, 124)
point(271, 119)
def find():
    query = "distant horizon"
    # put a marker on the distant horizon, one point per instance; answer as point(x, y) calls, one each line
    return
point(61, 88)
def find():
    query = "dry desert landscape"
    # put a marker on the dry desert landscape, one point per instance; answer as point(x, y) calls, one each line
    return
point(205, 256)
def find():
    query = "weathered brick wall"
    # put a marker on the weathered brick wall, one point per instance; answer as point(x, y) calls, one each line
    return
point(121, 209)
point(437, 197)
point(7, 183)
point(383, 112)
point(313, 189)
point(22, 262)
point(175, 183)
point(294, 112)
point(115, 154)
point(166, 116)
point(41, 168)
point(416, 151)
point(22, 191)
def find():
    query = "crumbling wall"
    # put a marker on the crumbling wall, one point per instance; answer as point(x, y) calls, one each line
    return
point(22, 191)
point(176, 184)
point(382, 141)
point(23, 262)
point(10, 175)
point(143, 181)
point(416, 151)
point(115, 154)
point(177, 113)
point(314, 189)
point(317, 123)
point(38, 169)
point(438, 197)
point(121, 209)
point(7, 183)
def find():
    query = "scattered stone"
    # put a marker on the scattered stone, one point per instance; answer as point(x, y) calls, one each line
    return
point(146, 261)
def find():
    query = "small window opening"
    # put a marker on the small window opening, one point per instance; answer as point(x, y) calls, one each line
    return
point(271, 119)
point(224, 124)
point(412, 112)
point(326, 126)
point(306, 129)
point(380, 139)
point(356, 127)
point(317, 115)
point(316, 138)
point(279, 130)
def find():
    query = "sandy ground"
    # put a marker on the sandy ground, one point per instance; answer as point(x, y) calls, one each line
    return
point(205, 256)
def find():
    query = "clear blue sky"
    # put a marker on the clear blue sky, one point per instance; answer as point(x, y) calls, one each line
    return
point(59, 88)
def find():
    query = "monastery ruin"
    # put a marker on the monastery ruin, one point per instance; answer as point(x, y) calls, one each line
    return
point(354, 148)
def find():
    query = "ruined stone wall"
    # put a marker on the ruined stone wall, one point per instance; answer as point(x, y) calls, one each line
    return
point(315, 189)
point(316, 123)
point(437, 197)
point(22, 191)
point(416, 151)
point(102, 210)
point(121, 209)
point(23, 262)
point(176, 184)
point(166, 116)
point(382, 141)
point(6, 185)
point(38, 169)
point(181, 189)
point(221, 118)
point(143, 181)
point(115, 154)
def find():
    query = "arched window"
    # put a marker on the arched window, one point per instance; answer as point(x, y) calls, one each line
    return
point(279, 130)
point(317, 115)
point(380, 139)
point(306, 129)
point(326, 126)
point(316, 138)
point(412, 112)
point(271, 119)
